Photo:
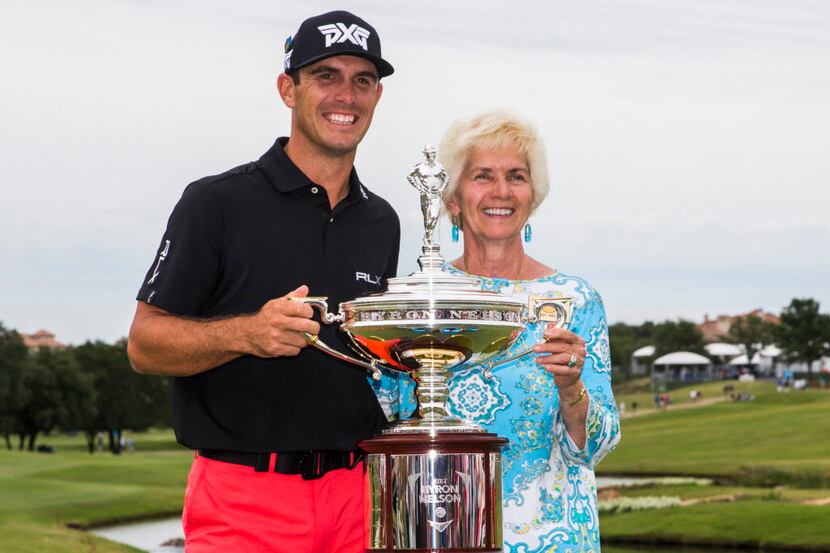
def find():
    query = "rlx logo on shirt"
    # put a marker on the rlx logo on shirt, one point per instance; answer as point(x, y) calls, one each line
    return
point(162, 257)
point(366, 277)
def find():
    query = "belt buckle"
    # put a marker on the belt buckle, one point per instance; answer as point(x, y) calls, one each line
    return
point(358, 457)
point(311, 465)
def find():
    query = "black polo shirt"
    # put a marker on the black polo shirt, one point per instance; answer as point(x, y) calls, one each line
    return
point(235, 241)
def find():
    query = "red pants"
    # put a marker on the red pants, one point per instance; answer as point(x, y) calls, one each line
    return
point(231, 508)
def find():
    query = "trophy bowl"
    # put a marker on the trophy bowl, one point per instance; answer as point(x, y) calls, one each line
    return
point(440, 331)
point(428, 328)
point(429, 325)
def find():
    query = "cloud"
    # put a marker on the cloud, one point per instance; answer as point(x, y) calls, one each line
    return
point(686, 140)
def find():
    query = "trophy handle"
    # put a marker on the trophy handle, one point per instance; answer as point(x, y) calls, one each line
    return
point(320, 303)
point(552, 310)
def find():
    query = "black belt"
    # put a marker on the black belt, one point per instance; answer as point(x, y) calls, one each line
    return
point(310, 464)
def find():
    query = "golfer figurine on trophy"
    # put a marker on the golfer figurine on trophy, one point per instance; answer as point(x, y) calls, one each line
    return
point(430, 179)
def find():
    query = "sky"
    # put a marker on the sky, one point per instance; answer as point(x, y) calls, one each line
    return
point(688, 141)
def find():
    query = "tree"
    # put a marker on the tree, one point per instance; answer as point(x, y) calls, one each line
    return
point(752, 332)
point(13, 358)
point(678, 335)
point(626, 339)
point(804, 333)
point(124, 399)
point(90, 388)
point(58, 395)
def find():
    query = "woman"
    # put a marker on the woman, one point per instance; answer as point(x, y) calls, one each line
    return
point(556, 407)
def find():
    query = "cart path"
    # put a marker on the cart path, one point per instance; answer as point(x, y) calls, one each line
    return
point(688, 405)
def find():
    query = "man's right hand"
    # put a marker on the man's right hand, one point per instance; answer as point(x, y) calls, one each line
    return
point(276, 330)
point(162, 343)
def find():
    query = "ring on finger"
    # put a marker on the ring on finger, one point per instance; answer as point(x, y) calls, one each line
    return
point(572, 361)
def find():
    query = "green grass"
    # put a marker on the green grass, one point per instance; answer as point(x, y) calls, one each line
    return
point(778, 438)
point(640, 391)
point(19, 537)
point(785, 432)
point(154, 440)
point(746, 523)
point(43, 495)
point(769, 455)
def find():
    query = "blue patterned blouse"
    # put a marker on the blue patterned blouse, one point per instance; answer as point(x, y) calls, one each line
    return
point(550, 499)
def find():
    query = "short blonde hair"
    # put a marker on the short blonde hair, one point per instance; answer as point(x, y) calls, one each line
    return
point(490, 130)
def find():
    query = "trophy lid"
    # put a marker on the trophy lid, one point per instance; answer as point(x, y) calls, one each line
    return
point(432, 287)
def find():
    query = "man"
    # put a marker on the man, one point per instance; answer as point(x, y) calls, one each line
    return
point(275, 424)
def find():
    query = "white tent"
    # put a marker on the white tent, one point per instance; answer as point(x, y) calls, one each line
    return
point(721, 349)
point(741, 360)
point(682, 358)
point(771, 351)
point(639, 359)
point(645, 351)
point(681, 366)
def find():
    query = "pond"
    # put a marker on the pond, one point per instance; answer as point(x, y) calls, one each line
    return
point(149, 536)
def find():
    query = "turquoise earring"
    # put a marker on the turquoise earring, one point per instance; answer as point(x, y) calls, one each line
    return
point(528, 233)
point(456, 229)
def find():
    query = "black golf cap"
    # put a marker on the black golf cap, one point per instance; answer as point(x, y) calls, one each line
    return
point(335, 33)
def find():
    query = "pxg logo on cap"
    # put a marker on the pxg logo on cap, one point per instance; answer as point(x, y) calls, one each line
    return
point(338, 32)
point(332, 34)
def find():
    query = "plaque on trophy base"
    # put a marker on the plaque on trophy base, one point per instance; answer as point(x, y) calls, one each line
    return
point(437, 492)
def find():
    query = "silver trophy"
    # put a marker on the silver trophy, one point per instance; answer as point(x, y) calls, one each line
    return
point(435, 479)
